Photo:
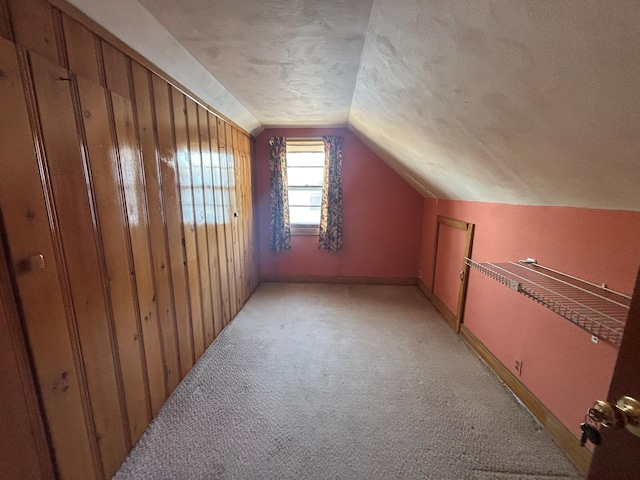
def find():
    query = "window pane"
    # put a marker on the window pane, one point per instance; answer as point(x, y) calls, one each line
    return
point(304, 215)
point(305, 196)
point(305, 159)
point(308, 145)
point(309, 177)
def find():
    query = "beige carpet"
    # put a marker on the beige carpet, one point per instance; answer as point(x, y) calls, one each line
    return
point(342, 382)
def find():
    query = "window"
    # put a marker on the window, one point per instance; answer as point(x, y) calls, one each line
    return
point(305, 173)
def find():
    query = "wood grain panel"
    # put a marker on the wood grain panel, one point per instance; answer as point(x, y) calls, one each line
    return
point(241, 196)
point(132, 185)
point(24, 452)
point(82, 49)
point(116, 70)
point(238, 216)
point(28, 217)
point(34, 27)
point(241, 186)
point(69, 179)
point(200, 221)
point(5, 21)
point(247, 215)
point(210, 219)
point(128, 189)
point(173, 213)
point(226, 210)
point(220, 214)
point(253, 271)
point(245, 185)
point(112, 219)
point(188, 219)
point(233, 210)
point(159, 256)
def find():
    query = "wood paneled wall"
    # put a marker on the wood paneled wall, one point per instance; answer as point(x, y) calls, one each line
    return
point(126, 208)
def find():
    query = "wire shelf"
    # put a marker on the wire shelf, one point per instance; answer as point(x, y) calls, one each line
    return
point(598, 310)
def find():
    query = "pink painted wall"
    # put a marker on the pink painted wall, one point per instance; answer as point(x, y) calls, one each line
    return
point(382, 217)
point(561, 365)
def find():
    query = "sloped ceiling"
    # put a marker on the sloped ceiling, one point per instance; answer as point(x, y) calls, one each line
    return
point(518, 101)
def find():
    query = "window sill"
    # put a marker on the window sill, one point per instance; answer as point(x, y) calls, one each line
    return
point(305, 230)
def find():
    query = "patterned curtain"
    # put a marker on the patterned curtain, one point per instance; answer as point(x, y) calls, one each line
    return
point(280, 238)
point(331, 210)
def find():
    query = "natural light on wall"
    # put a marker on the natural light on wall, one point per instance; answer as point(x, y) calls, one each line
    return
point(305, 172)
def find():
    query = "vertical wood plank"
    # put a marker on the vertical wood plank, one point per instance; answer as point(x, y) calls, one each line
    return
point(173, 212)
point(162, 276)
point(102, 152)
point(28, 216)
point(210, 218)
point(227, 212)
point(116, 68)
point(82, 48)
point(34, 27)
point(240, 198)
point(220, 227)
point(24, 452)
point(188, 219)
point(76, 218)
point(132, 185)
point(200, 224)
point(5, 21)
point(233, 208)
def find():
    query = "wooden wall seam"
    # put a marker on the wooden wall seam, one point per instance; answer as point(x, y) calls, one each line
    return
point(141, 96)
point(58, 253)
point(6, 29)
point(73, 12)
point(185, 337)
point(98, 235)
point(161, 198)
point(34, 434)
point(60, 42)
point(151, 320)
point(140, 200)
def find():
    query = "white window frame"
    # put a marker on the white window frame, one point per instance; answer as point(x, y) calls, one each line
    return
point(315, 145)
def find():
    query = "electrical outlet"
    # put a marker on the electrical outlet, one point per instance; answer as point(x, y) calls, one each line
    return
point(419, 273)
point(518, 367)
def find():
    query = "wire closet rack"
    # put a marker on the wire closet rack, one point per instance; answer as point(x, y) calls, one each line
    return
point(595, 308)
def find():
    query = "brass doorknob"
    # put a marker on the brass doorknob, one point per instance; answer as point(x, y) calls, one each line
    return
point(629, 409)
point(625, 413)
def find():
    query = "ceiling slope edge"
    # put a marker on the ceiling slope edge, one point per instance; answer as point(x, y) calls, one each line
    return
point(424, 187)
point(131, 23)
point(395, 164)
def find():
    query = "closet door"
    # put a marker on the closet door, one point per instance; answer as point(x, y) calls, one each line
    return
point(453, 243)
point(36, 255)
point(24, 453)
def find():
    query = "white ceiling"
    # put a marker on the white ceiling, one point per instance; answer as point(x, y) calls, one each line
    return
point(517, 101)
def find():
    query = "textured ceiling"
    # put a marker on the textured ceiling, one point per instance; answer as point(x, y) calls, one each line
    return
point(516, 101)
point(291, 62)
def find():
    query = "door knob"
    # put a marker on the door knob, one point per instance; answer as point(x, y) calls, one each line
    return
point(625, 413)
point(32, 263)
